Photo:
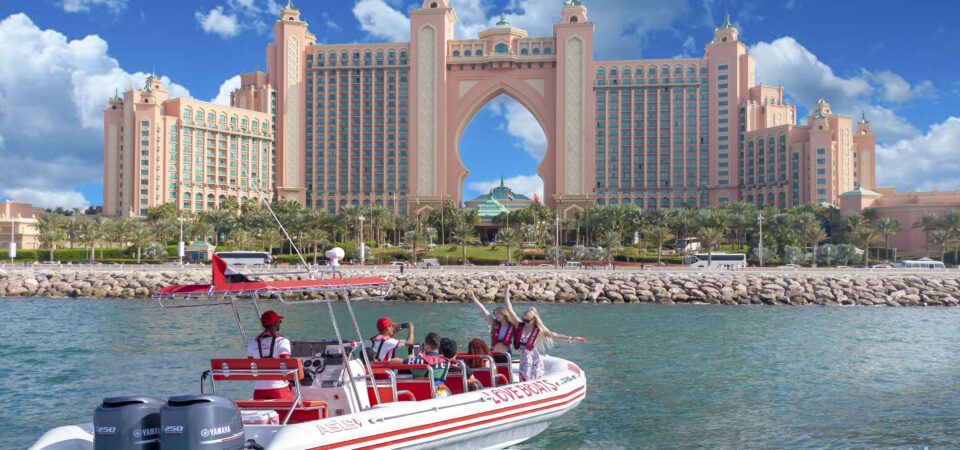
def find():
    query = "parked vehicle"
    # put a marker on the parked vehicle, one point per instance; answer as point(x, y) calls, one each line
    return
point(398, 264)
point(573, 265)
point(240, 258)
point(725, 260)
point(922, 263)
point(428, 263)
point(791, 266)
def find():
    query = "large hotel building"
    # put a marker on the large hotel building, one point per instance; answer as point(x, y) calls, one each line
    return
point(380, 124)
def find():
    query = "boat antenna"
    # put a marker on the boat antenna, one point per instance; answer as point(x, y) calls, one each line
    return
point(256, 188)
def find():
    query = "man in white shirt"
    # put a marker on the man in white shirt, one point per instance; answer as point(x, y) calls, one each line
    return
point(384, 345)
point(270, 344)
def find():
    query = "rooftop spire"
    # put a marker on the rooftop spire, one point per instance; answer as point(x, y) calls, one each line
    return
point(501, 179)
point(726, 21)
point(290, 4)
point(503, 20)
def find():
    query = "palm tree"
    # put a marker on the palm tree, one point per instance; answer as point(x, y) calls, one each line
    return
point(611, 241)
point(951, 223)
point(464, 233)
point(141, 236)
point(866, 236)
point(710, 238)
point(316, 237)
point(659, 236)
point(511, 238)
point(223, 222)
point(888, 227)
point(49, 238)
point(927, 223)
point(242, 239)
point(89, 234)
point(813, 234)
point(942, 239)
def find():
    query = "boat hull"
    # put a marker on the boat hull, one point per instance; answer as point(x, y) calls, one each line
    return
point(487, 419)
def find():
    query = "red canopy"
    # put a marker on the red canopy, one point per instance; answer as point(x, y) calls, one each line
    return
point(222, 287)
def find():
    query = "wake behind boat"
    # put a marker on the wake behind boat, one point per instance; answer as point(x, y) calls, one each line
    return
point(341, 399)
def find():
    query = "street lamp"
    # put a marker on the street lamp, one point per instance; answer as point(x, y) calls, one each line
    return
point(760, 246)
point(181, 250)
point(12, 250)
point(362, 247)
point(556, 256)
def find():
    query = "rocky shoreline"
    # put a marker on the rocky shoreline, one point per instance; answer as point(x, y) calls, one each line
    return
point(729, 288)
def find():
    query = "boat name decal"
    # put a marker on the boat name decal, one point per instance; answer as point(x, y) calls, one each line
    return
point(520, 391)
point(339, 425)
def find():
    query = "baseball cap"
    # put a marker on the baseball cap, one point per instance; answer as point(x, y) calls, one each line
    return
point(270, 318)
point(383, 323)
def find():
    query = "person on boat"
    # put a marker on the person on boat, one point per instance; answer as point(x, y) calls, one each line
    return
point(384, 344)
point(533, 337)
point(503, 323)
point(270, 344)
point(431, 356)
point(477, 346)
point(449, 350)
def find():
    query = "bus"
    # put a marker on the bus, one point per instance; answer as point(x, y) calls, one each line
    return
point(725, 260)
point(242, 258)
point(922, 263)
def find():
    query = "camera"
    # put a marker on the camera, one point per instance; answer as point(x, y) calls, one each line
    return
point(403, 325)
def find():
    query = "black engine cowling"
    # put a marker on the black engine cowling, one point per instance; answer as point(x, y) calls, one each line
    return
point(194, 422)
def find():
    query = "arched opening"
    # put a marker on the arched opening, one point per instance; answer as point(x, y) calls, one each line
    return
point(501, 146)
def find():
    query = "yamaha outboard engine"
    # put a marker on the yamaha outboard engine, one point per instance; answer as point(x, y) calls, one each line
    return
point(127, 423)
point(194, 422)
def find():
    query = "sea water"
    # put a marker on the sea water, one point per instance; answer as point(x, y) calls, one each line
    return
point(659, 376)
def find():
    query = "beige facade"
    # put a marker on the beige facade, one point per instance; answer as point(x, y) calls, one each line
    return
point(18, 222)
point(904, 207)
point(192, 153)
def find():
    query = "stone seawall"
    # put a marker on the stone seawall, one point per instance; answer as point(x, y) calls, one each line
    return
point(731, 288)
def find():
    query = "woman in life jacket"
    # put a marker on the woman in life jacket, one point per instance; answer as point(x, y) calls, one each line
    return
point(533, 337)
point(503, 323)
point(270, 344)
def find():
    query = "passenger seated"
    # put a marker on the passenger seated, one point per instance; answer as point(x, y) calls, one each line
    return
point(478, 347)
point(448, 348)
point(431, 356)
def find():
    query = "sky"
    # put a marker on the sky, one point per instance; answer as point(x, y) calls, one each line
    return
point(60, 60)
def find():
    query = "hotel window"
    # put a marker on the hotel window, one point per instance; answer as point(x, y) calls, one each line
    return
point(547, 51)
point(456, 53)
point(536, 51)
point(501, 48)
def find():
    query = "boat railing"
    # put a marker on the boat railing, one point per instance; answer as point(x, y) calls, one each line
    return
point(269, 369)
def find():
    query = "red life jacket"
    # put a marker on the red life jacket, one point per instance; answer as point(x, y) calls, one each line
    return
point(495, 335)
point(376, 343)
point(273, 342)
point(531, 342)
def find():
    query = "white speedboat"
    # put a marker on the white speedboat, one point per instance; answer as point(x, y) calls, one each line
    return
point(342, 400)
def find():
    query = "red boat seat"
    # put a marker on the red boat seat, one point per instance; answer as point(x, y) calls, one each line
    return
point(487, 376)
point(421, 388)
point(386, 387)
point(270, 369)
point(504, 366)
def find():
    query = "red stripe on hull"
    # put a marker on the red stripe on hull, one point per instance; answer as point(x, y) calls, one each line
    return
point(574, 395)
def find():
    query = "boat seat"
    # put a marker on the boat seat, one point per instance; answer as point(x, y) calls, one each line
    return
point(488, 377)
point(386, 384)
point(504, 366)
point(270, 369)
point(422, 388)
point(456, 381)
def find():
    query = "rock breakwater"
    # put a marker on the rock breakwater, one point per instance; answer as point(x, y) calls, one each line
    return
point(729, 288)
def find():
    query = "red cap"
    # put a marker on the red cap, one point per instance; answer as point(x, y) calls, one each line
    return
point(383, 323)
point(270, 318)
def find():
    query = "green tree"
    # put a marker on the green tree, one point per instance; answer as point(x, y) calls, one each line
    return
point(888, 227)
point(812, 233)
point(611, 241)
point(710, 237)
point(866, 236)
point(927, 223)
point(242, 239)
point(511, 238)
point(141, 237)
point(659, 236)
point(942, 239)
point(465, 234)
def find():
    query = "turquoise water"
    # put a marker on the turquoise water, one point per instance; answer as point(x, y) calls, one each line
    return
point(660, 376)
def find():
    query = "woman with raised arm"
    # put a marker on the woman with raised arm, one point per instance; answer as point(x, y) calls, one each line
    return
point(533, 337)
point(502, 323)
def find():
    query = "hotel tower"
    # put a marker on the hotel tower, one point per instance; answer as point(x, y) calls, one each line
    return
point(331, 125)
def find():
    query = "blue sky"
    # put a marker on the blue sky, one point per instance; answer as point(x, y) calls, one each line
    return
point(61, 59)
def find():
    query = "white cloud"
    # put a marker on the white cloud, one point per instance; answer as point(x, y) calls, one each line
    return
point(47, 199)
point(806, 79)
point(57, 89)
point(896, 89)
point(522, 184)
point(216, 22)
point(73, 6)
point(223, 95)
point(380, 20)
point(521, 124)
point(929, 161)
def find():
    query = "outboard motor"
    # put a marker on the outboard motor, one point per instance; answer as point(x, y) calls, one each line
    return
point(127, 423)
point(198, 421)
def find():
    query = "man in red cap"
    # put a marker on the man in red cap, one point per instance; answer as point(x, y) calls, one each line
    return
point(384, 344)
point(270, 344)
